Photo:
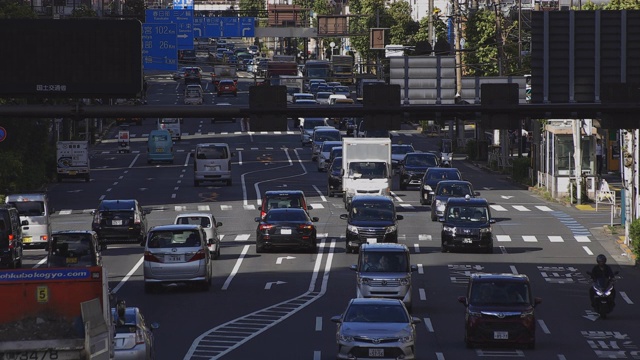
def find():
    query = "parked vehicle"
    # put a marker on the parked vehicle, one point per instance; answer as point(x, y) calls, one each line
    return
point(371, 219)
point(177, 254)
point(366, 320)
point(466, 224)
point(212, 162)
point(11, 244)
point(73, 160)
point(209, 225)
point(286, 227)
point(366, 167)
point(500, 310)
point(33, 208)
point(384, 270)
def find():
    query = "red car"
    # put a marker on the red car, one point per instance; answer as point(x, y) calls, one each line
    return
point(227, 87)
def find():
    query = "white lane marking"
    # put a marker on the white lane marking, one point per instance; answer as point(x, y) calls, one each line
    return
point(420, 269)
point(503, 249)
point(544, 208)
point(554, 238)
point(203, 208)
point(520, 208)
point(242, 237)
point(64, 212)
point(317, 355)
point(236, 267)
point(101, 197)
point(582, 238)
point(44, 260)
point(134, 161)
point(626, 297)
point(439, 356)
point(186, 161)
point(423, 294)
point(321, 196)
point(428, 324)
point(109, 190)
point(529, 238)
point(239, 157)
point(544, 327)
point(173, 196)
point(129, 274)
point(498, 208)
point(395, 197)
point(249, 207)
point(586, 249)
point(318, 205)
point(424, 237)
point(416, 248)
point(513, 269)
point(503, 237)
point(256, 185)
point(561, 357)
point(318, 323)
point(225, 207)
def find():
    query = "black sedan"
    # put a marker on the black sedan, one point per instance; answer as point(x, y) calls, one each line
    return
point(431, 179)
point(413, 167)
point(447, 189)
point(466, 224)
point(286, 227)
point(334, 178)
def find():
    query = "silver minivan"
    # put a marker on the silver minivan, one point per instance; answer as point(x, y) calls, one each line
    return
point(34, 209)
point(384, 270)
point(212, 162)
point(176, 254)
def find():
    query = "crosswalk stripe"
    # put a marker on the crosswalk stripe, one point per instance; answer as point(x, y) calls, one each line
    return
point(503, 238)
point(520, 208)
point(204, 208)
point(553, 238)
point(180, 208)
point(225, 207)
point(582, 238)
point(322, 235)
point(317, 206)
point(242, 237)
point(424, 237)
point(249, 207)
point(529, 238)
point(65, 212)
point(406, 206)
point(221, 236)
point(544, 208)
point(498, 208)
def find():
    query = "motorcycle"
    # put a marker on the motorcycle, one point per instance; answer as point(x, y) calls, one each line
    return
point(603, 293)
point(446, 153)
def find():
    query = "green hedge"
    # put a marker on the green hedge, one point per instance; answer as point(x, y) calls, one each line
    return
point(634, 236)
point(521, 169)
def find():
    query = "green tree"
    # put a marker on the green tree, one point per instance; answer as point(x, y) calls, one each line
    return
point(13, 9)
point(403, 27)
point(372, 15)
point(134, 8)
point(252, 7)
point(83, 11)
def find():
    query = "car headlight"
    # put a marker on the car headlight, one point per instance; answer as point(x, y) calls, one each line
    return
point(475, 314)
point(390, 229)
point(439, 203)
point(405, 281)
point(406, 339)
point(449, 229)
point(345, 338)
point(486, 230)
point(364, 281)
point(526, 314)
point(427, 187)
point(352, 228)
point(351, 193)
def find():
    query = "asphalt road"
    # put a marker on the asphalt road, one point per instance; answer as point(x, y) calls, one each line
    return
point(278, 305)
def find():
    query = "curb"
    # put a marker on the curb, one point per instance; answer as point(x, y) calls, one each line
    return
point(624, 247)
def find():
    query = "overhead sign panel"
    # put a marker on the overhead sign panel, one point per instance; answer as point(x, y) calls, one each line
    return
point(234, 27)
point(159, 47)
point(182, 18)
point(183, 4)
point(84, 57)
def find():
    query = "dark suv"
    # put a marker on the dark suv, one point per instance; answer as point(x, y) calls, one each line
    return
point(431, 179)
point(499, 310)
point(74, 248)
point(192, 75)
point(371, 219)
point(283, 199)
point(413, 166)
point(11, 237)
point(466, 223)
point(120, 220)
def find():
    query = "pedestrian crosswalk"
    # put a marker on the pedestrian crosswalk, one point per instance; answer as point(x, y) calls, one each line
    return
point(522, 208)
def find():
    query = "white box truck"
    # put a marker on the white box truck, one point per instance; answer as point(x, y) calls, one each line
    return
point(73, 160)
point(366, 167)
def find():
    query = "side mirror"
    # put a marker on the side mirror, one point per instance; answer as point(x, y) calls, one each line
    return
point(463, 300)
point(309, 207)
point(211, 242)
point(477, 193)
point(399, 217)
point(353, 267)
point(537, 301)
point(344, 216)
point(154, 326)
point(414, 268)
point(336, 319)
point(233, 153)
point(441, 219)
point(492, 221)
point(218, 224)
point(415, 320)
point(258, 219)
point(315, 219)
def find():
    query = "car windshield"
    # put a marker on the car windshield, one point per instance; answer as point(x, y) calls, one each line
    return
point(454, 190)
point(421, 161)
point(499, 293)
point(465, 214)
point(174, 239)
point(159, 137)
point(369, 170)
point(283, 201)
point(444, 175)
point(212, 152)
point(327, 136)
point(310, 124)
point(194, 220)
point(402, 149)
point(376, 314)
point(336, 165)
point(379, 210)
point(378, 261)
point(297, 216)
point(71, 250)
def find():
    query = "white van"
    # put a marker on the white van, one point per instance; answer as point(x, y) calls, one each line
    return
point(334, 97)
point(212, 162)
point(172, 125)
point(34, 208)
point(193, 95)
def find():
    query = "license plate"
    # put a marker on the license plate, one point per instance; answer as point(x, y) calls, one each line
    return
point(467, 241)
point(72, 260)
point(372, 240)
point(212, 167)
point(376, 352)
point(501, 335)
point(173, 258)
point(44, 355)
point(73, 172)
point(116, 222)
point(159, 150)
point(26, 239)
point(285, 231)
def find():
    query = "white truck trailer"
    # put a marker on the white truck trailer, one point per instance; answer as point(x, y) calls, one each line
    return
point(73, 160)
point(366, 167)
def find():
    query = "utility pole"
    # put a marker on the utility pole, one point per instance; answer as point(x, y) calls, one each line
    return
point(432, 40)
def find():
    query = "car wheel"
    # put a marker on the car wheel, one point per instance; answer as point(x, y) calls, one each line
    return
point(19, 263)
point(467, 343)
point(445, 249)
point(87, 178)
point(329, 193)
point(235, 94)
point(434, 218)
point(422, 202)
point(259, 249)
point(217, 254)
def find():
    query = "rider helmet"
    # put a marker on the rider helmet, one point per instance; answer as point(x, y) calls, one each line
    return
point(601, 259)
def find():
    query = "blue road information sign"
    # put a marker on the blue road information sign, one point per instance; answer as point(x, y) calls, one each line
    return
point(182, 18)
point(183, 4)
point(3, 133)
point(234, 27)
point(159, 47)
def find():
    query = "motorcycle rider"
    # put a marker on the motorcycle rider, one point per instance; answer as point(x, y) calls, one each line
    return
point(598, 271)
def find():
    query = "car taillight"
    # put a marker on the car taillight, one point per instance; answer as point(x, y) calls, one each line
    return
point(148, 256)
point(139, 337)
point(262, 214)
point(265, 227)
point(136, 218)
point(44, 237)
point(305, 227)
point(97, 218)
point(197, 256)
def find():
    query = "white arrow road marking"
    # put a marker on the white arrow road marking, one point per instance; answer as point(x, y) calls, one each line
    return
point(591, 315)
point(506, 196)
point(279, 260)
point(270, 284)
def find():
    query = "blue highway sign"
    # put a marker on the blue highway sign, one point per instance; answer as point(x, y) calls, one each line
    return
point(183, 4)
point(182, 18)
point(234, 27)
point(159, 49)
